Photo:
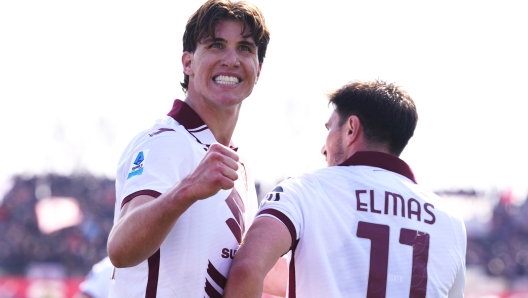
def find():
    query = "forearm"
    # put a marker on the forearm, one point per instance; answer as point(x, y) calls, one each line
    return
point(264, 244)
point(143, 226)
point(244, 281)
point(276, 280)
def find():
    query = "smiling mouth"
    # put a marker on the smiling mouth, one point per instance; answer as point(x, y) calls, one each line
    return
point(226, 80)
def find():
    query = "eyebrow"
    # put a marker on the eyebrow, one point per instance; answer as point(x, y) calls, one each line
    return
point(219, 39)
point(210, 39)
point(247, 43)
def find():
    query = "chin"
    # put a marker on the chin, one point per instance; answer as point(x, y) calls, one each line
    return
point(229, 100)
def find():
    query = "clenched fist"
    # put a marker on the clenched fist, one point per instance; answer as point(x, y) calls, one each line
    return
point(216, 171)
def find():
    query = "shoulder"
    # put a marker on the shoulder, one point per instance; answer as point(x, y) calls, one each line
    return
point(163, 135)
point(160, 149)
point(314, 180)
point(452, 217)
point(295, 187)
point(164, 129)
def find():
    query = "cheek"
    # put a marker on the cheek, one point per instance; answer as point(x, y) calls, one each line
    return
point(201, 66)
point(255, 65)
point(328, 144)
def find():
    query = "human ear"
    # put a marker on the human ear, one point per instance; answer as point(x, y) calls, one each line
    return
point(187, 58)
point(352, 127)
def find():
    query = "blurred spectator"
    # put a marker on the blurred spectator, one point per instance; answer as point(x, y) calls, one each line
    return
point(23, 245)
point(97, 282)
point(25, 250)
point(503, 251)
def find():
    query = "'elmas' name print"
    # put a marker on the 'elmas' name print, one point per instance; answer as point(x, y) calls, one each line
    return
point(395, 204)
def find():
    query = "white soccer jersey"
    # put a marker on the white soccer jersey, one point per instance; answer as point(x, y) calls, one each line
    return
point(366, 229)
point(97, 282)
point(195, 258)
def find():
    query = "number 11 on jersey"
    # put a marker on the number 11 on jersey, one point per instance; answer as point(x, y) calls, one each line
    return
point(379, 258)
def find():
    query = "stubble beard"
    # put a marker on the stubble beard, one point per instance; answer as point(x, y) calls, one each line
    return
point(338, 157)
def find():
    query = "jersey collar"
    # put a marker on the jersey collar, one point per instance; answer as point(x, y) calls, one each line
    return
point(380, 160)
point(186, 116)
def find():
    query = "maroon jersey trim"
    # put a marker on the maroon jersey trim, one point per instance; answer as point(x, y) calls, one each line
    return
point(153, 274)
point(216, 276)
point(236, 213)
point(185, 115)
point(211, 291)
point(291, 275)
point(147, 192)
point(279, 215)
point(380, 160)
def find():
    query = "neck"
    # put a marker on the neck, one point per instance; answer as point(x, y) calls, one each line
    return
point(220, 121)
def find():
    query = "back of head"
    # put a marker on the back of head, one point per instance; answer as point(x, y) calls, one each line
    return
point(386, 112)
point(202, 23)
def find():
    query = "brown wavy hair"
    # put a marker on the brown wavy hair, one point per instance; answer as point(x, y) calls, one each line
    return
point(202, 23)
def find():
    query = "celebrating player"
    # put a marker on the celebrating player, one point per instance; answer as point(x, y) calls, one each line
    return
point(184, 196)
point(362, 227)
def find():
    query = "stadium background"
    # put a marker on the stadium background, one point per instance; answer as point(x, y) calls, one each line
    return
point(78, 80)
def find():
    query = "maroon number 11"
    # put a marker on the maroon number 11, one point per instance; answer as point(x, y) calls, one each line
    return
point(379, 258)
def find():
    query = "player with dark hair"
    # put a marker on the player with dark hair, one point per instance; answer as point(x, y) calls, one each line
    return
point(362, 227)
point(184, 195)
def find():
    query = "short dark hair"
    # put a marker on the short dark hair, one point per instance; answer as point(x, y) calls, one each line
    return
point(386, 112)
point(202, 23)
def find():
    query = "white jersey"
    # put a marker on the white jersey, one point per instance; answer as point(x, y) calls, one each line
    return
point(195, 258)
point(366, 229)
point(97, 282)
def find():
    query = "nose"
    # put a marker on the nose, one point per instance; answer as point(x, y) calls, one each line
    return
point(230, 58)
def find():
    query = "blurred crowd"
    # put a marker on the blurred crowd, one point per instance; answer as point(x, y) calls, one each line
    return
point(73, 250)
point(500, 247)
point(502, 250)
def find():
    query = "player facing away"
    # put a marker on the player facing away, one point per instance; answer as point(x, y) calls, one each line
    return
point(184, 195)
point(363, 226)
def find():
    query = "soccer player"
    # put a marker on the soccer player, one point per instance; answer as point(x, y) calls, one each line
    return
point(184, 195)
point(97, 282)
point(363, 226)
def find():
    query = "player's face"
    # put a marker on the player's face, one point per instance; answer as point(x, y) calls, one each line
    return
point(333, 150)
point(222, 72)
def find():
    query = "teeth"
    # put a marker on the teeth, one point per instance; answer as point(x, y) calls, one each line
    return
point(226, 80)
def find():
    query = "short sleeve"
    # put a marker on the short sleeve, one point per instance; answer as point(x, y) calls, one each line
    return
point(283, 203)
point(157, 163)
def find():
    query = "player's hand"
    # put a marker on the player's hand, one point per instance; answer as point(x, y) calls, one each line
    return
point(216, 171)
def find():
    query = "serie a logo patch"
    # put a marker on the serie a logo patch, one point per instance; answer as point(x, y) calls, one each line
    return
point(136, 168)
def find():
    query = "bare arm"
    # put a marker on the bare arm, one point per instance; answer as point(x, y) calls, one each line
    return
point(145, 222)
point(276, 280)
point(266, 241)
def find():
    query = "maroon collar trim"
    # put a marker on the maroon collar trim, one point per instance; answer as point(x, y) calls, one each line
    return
point(380, 160)
point(185, 115)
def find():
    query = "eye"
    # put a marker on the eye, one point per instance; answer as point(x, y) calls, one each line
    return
point(244, 48)
point(216, 45)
